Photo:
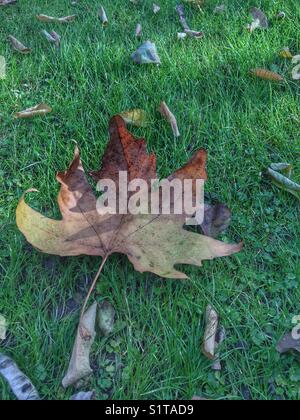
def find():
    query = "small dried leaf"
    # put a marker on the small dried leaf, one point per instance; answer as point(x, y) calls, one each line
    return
point(83, 396)
point(47, 19)
point(286, 53)
point(258, 14)
point(106, 318)
point(194, 34)
point(137, 117)
point(253, 25)
point(266, 75)
point(18, 46)
point(182, 18)
point(296, 59)
point(138, 30)
point(38, 110)
point(20, 385)
point(209, 344)
point(281, 15)
point(7, 2)
point(296, 72)
point(146, 54)
point(285, 168)
point(167, 114)
point(283, 182)
point(2, 67)
point(288, 343)
point(79, 366)
point(103, 16)
point(155, 8)
point(52, 37)
point(3, 327)
point(181, 35)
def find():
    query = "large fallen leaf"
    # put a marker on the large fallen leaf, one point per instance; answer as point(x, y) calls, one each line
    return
point(167, 114)
point(38, 110)
point(49, 19)
point(18, 46)
point(267, 75)
point(153, 243)
point(20, 385)
point(137, 117)
point(79, 366)
point(146, 54)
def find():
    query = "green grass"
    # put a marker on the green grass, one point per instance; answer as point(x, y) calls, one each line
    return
point(244, 124)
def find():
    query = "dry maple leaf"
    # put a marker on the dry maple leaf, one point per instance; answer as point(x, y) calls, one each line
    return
point(153, 243)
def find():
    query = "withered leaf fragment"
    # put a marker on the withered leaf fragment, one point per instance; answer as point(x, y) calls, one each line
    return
point(19, 383)
point(289, 343)
point(167, 114)
point(184, 24)
point(216, 220)
point(79, 366)
point(146, 54)
point(209, 343)
point(138, 30)
point(194, 34)
point(155, 8)
point(103, 16)
point(7, 2)
point(2, 67)
point(286, 53)
point(106, 318)
point(296, 69)
point(153, 242)
point(137, 117)
point(48, 19)
point(182, 18)
point(18, 46)
point(83, 396)
point(280, 180)
point(3, 326)
point(52, 37)
point(267, 75)
point(38, 110)
point(259, 20)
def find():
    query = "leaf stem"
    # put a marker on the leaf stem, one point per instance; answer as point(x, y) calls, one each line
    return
point(93, 287)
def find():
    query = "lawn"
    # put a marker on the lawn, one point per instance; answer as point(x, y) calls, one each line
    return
point(244, 123)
